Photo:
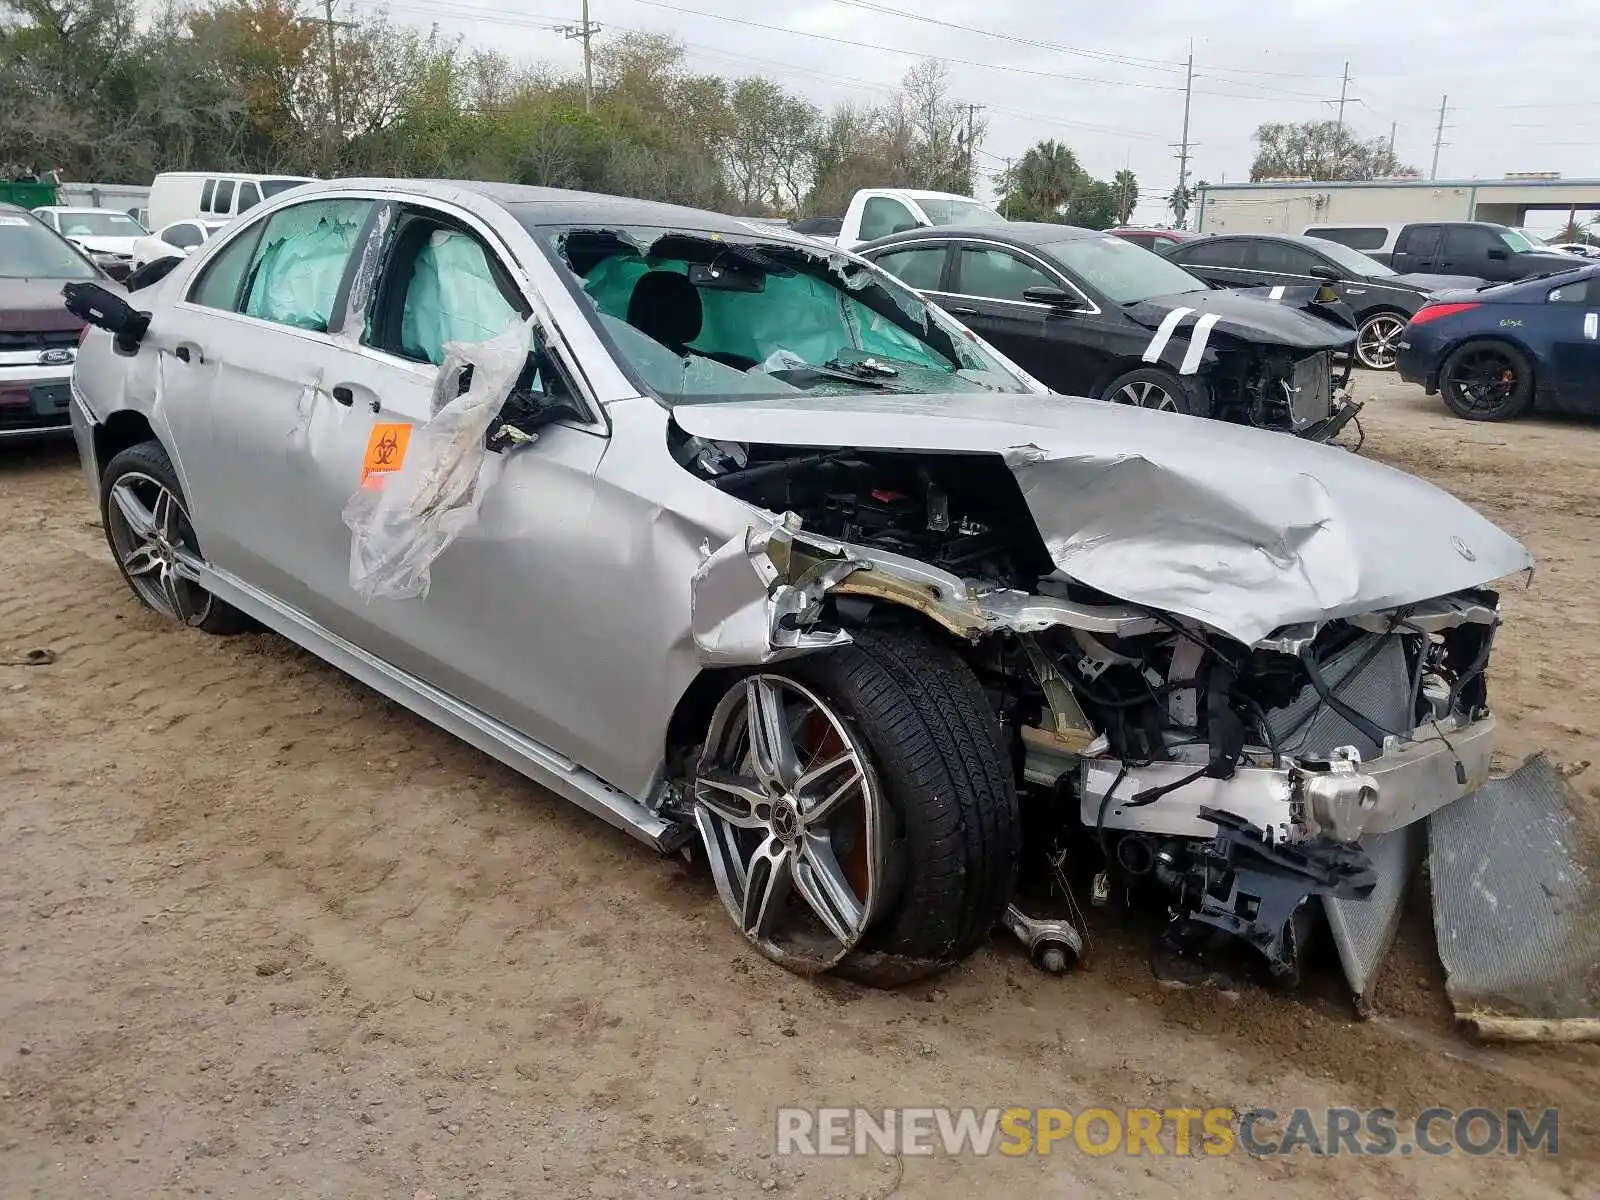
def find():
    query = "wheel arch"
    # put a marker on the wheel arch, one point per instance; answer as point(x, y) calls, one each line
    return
point(122, 429)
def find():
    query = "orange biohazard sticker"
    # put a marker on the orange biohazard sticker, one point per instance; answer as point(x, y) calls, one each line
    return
point(386, 451)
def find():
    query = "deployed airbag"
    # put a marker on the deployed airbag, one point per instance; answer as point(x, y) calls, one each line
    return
point(298, 275)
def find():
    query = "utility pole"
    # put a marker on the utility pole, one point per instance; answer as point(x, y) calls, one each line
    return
point(1181, 195)
point(1344, 85)
point(1393, 125)
point(1005, 196)
point(972, 111)
point(584, 32)
point(335, 85)
point(1438, 137)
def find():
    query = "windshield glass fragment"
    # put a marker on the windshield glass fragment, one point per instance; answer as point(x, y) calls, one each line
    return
point(698, 315)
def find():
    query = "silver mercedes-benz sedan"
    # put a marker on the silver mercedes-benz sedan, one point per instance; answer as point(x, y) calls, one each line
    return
point(734, 541)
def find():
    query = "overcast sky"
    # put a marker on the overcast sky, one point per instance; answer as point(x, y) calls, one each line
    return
point(1107, 77)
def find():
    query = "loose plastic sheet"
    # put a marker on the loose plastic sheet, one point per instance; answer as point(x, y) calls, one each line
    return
point(398, 530)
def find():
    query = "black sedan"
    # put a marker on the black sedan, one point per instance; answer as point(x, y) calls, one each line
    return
point(1382, 301)
point(1089, 314)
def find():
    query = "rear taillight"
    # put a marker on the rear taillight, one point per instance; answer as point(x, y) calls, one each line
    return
point(1432, 312)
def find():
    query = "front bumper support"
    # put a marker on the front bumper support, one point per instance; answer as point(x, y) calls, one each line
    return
point(1434, 766)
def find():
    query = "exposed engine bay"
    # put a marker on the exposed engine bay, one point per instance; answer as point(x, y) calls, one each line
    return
point(1156, 758)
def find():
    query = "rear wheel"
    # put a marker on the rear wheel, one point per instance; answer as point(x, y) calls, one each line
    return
point(1487, 381)
point(856, 809)
point(1378, 341)
point(147, 524)
point(1150, 387)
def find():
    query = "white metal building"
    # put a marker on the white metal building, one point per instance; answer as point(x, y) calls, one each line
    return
point(1289, 206)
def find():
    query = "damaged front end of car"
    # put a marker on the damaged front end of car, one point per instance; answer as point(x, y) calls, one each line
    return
point(1265, 356)
point(1218, 714)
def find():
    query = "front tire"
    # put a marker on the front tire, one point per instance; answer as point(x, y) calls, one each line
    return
point(874, 830)
point(1378, 341)
point(1150, 387)
point(1487, 381)
point(153, 541)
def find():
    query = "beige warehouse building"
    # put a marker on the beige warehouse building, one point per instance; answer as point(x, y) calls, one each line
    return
point(1289, 206)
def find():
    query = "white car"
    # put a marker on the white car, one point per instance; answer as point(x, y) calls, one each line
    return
point(1581, 249)
point(103, 232)
point(173, 241)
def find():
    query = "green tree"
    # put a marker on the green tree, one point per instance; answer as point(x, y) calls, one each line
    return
point(1321, 150)
point(1041, 183)
point(1126, 186)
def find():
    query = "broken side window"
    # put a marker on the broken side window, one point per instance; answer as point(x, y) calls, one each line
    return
point(295, 276)
point(452, 297)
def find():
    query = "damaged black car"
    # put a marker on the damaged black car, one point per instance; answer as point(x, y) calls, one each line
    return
point(1089, 314)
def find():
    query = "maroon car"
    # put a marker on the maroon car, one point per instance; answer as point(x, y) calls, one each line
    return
point(1154, 239)
point(38, 336)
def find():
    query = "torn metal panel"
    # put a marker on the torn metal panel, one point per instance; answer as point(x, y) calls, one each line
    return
point(1516, 899)
point(399, 529)
point(753, 601)
point(1242, 529)
point(1364, 930)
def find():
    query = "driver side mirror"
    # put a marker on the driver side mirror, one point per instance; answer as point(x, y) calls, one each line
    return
point(1057, 299)
point(106, 310)
point(1499, 255)
point(1322, 272)
point(540, 397)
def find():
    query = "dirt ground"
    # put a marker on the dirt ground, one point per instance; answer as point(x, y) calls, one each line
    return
point(264, 934)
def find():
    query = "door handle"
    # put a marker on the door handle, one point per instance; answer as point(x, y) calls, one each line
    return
point(189, 352)
point(962, 312)
point(343, 395)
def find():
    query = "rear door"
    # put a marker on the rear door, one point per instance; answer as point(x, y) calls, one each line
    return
point(1221, 262)
point(1418, 250)
point(254, 343)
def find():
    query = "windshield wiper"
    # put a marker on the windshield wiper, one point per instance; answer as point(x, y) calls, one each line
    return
point(790, 374)
point(867, 368)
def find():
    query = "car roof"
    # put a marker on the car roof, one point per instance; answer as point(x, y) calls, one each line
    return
point(1026, 234)
point(1296, 239)
point(80, 208)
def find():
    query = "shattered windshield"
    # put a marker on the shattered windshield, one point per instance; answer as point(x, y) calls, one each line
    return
point(696, 315)
point(1122, 272)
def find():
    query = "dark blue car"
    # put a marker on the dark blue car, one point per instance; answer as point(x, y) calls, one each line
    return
point(1501, 351)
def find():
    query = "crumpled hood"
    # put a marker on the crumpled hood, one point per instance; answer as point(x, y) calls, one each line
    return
point(1245, 530)
point(1434, 283)
point(1253, 317)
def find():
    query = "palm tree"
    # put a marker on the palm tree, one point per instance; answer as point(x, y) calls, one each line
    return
point(1126, 186)
point(1044, 180)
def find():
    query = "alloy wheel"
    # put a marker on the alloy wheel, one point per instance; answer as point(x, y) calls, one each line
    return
point(155, 544)
point(1145, 394)
point(791, 816)
point(1483, 380)
point(1378, 343)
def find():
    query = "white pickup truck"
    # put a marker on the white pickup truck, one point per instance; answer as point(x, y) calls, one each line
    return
point(878, 212)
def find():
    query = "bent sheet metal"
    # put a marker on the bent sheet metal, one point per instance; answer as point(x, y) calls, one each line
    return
point(1243, 529)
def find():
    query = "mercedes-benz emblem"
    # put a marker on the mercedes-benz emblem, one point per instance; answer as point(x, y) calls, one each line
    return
point(55, 358)
point(1463, 549)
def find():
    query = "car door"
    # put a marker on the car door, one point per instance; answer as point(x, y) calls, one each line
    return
point(1418, 250)
point(483, 631)
point(254, 345)
point(922, 266)
point(1571, 316)
point(1475, 250)
point(883, 215)
point(1269, 263)
point(1221, 262)
point(1067, 350)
